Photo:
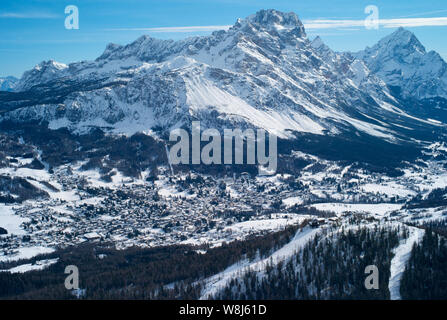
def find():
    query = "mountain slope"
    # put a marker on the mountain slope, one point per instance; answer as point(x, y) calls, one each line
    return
point(8, 83)
point(263, 72)
point(400, 60)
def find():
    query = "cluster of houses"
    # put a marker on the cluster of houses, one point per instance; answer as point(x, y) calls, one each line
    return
point(182, 208)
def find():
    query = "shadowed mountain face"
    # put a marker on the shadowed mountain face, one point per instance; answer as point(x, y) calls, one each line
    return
point(8, 83)
point(262, 73)
point(400, 60)
point(416, 77)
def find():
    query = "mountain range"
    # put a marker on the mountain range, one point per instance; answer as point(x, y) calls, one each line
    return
point(264, 72)
point(361, 181)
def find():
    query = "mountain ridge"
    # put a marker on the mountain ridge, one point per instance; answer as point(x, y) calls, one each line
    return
point(263, 72)
point(402, 61)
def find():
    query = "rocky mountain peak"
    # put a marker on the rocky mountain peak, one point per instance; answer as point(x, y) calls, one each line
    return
point(400, 60)
point(402, 39)
point(44, 71)
point(273, 20)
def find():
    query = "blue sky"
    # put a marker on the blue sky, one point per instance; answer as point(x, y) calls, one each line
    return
point(33, 30)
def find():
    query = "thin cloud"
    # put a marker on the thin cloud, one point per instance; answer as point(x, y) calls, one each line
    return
point(385, 23)
point(176, 29)
point(28, 15)
point(309, 25)
point(415, 22)
point(423, 13)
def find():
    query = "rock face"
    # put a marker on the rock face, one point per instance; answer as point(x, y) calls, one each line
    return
point(8, 83)
point(400, 60)
point(263, 72)
point(43, 72)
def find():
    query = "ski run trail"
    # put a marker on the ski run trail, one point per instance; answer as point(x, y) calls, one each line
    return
point(219, 281)
point(402, 254)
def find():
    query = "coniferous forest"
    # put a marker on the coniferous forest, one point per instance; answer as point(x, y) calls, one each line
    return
point(330, 267)
point(135, 273)
point(425, 275)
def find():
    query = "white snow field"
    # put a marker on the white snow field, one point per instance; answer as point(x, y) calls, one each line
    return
point(401, 256)
point(10, 221)
point(378, 209)
point(38, 265)
point(26, 253)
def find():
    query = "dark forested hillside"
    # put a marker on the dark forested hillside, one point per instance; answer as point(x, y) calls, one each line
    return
point(135, 273)
point(329, 267)
point(425, 276)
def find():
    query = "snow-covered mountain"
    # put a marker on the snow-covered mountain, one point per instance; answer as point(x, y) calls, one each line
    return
point(358, 162)
point(263, 72)
point(8, 83)
point(400, 60)
point(43, 72)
